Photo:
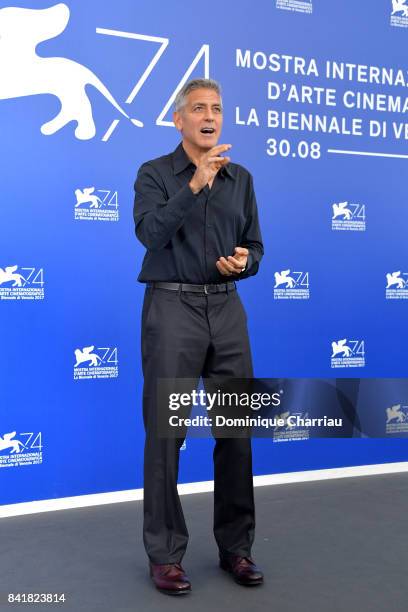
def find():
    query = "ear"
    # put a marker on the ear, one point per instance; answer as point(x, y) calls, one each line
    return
point(177, 120)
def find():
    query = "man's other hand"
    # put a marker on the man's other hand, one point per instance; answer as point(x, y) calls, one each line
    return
point(233, 264)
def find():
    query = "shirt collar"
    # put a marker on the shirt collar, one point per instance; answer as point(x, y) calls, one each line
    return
point(181, 161)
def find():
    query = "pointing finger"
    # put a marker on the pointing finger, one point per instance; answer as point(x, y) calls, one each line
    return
point(219, 149)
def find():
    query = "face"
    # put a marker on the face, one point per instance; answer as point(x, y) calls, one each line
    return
point(200, 119)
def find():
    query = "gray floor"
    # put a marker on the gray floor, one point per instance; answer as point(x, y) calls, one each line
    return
point(334, 546)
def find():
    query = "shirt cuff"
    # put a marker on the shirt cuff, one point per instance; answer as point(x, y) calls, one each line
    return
point(248, 263)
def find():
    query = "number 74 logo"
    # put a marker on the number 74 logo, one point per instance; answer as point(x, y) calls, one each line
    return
point(204, 52)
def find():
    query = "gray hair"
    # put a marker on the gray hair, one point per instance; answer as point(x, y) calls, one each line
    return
point(182, 94)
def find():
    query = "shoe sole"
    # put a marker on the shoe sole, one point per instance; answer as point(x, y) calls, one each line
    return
point(226, 568)
point(171, 592)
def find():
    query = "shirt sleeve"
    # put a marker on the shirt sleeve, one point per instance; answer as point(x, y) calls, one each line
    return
point(251, 236)
point(157, 218)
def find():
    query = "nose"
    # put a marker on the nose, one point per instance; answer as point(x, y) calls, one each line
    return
point(209, 115)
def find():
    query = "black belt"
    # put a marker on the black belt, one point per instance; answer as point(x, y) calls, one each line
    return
point(204, 289)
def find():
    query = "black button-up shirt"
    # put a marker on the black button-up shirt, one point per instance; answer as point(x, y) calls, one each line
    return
point(185, 233)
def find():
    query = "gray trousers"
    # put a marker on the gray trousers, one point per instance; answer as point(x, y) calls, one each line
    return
point(188, 335)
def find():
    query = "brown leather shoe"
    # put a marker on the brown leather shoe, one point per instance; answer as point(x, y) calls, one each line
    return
point(170, 578)
point(243, 569)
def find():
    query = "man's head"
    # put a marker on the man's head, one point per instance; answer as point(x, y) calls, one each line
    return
point(198, 113)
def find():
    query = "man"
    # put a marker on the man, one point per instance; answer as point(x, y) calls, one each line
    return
point(196, 214)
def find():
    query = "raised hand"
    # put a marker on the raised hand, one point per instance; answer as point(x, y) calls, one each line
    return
point(208, 166)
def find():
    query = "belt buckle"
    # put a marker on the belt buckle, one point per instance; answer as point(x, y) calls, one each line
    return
point(206, 289)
